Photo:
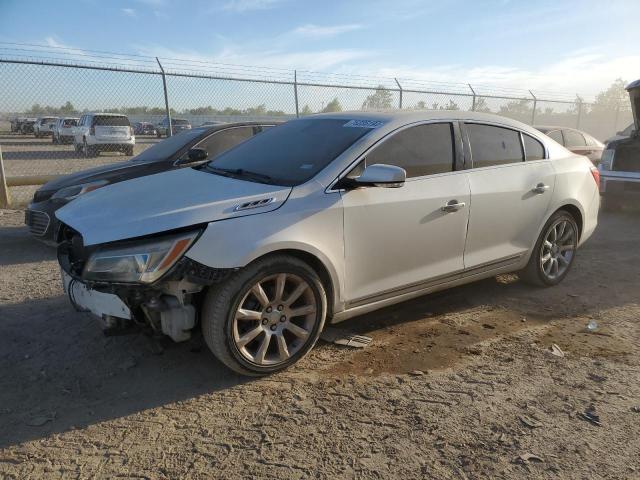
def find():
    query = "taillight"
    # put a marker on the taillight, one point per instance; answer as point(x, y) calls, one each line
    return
point(92, 131)
point(596, 176)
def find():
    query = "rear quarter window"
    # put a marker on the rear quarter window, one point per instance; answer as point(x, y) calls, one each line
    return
point(491, 145)
point(533, 149)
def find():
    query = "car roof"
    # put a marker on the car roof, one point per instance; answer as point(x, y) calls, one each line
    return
point(397, 118)
point(106, 114)
point(633, 85)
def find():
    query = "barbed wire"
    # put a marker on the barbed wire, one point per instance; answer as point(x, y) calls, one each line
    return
point(199, 67)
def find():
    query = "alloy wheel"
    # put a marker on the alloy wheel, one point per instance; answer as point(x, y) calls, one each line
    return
point(558, 249)
point(274, 319)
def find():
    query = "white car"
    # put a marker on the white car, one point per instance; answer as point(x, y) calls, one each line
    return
point(324, 218)
point(44, 126)
point(100, 132)
point(63, 130)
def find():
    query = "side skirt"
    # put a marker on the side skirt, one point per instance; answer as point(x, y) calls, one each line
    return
point(385, 299)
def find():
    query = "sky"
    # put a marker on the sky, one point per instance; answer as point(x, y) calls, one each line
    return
point(566, 46)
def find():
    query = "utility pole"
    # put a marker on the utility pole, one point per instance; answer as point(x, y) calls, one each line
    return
point(5, 197)
point(535, 106)
point(473, 102)
point(166, 98)
point(400, 87)
point(295, 91)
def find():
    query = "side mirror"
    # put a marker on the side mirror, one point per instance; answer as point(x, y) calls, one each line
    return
point(197, 155)
point(381, 175)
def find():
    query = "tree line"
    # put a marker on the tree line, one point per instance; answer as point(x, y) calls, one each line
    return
point(615, 96)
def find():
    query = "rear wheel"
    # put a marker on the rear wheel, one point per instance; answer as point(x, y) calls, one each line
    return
point(554, 252)
point(265, 317)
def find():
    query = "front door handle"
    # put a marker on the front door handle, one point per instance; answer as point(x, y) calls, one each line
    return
point(452, 206)
point(540, 188)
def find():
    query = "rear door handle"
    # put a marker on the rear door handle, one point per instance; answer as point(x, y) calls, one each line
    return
point(540, 188)
point(452, 206)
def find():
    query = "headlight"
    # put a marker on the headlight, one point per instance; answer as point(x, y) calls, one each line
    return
point(607, 158)
point(69, 193)
point(143, 262)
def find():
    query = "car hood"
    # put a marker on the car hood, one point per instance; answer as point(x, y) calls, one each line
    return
point(105, 172)
point(165, 201)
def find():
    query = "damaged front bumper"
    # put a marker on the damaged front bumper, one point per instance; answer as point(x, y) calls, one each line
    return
point(168, 306)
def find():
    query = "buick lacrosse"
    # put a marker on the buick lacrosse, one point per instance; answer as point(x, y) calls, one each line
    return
point(321, 219)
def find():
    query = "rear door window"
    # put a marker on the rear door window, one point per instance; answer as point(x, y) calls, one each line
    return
point(223, 140)
point(491, 145)
point(420, 150)
point(573, 139)
point(533, 149)
point(110, 121)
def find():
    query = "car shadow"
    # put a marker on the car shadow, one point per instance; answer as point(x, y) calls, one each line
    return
point(17, 247)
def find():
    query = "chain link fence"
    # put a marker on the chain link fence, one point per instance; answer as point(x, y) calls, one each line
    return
point(195, 91)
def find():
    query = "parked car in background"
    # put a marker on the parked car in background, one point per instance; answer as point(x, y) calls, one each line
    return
point(103, 132)
point(177, 125)
point(27, 125)
point(626, 133)
point(575, 140)
point(63, 130)
point(44, 126)
point(144, 128)
point(324, 218)
point(620, 165)
point(183, 150)
point(16, 123)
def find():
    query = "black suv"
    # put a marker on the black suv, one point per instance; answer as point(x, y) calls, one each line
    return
point(620, 164)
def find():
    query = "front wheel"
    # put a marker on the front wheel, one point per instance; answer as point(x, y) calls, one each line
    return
point(266, 316)
point(554, 252)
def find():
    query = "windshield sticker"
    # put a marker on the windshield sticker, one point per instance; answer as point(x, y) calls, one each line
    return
point(363, 124)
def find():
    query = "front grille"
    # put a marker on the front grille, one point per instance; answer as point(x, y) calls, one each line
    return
point(36, 221)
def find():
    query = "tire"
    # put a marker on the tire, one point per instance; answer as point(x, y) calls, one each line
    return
point(89, 150)
point(53, 140)
point(128, 151)
point(611, 204)
point(159, 135)
point(224, 333)
point(543, 273)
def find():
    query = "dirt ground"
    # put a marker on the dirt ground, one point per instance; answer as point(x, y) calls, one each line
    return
point(456, 385)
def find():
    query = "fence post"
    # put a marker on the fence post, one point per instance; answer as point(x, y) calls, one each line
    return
point(473, 103)
point(535, 106)
point(5, 196)
point(400, 87)
point(166, 98)
point(295, 91)
point(579, 111)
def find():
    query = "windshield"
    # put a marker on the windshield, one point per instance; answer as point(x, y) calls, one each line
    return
point(48, 120)
point(167, 148)
point(291, 153)
point(110, 121)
